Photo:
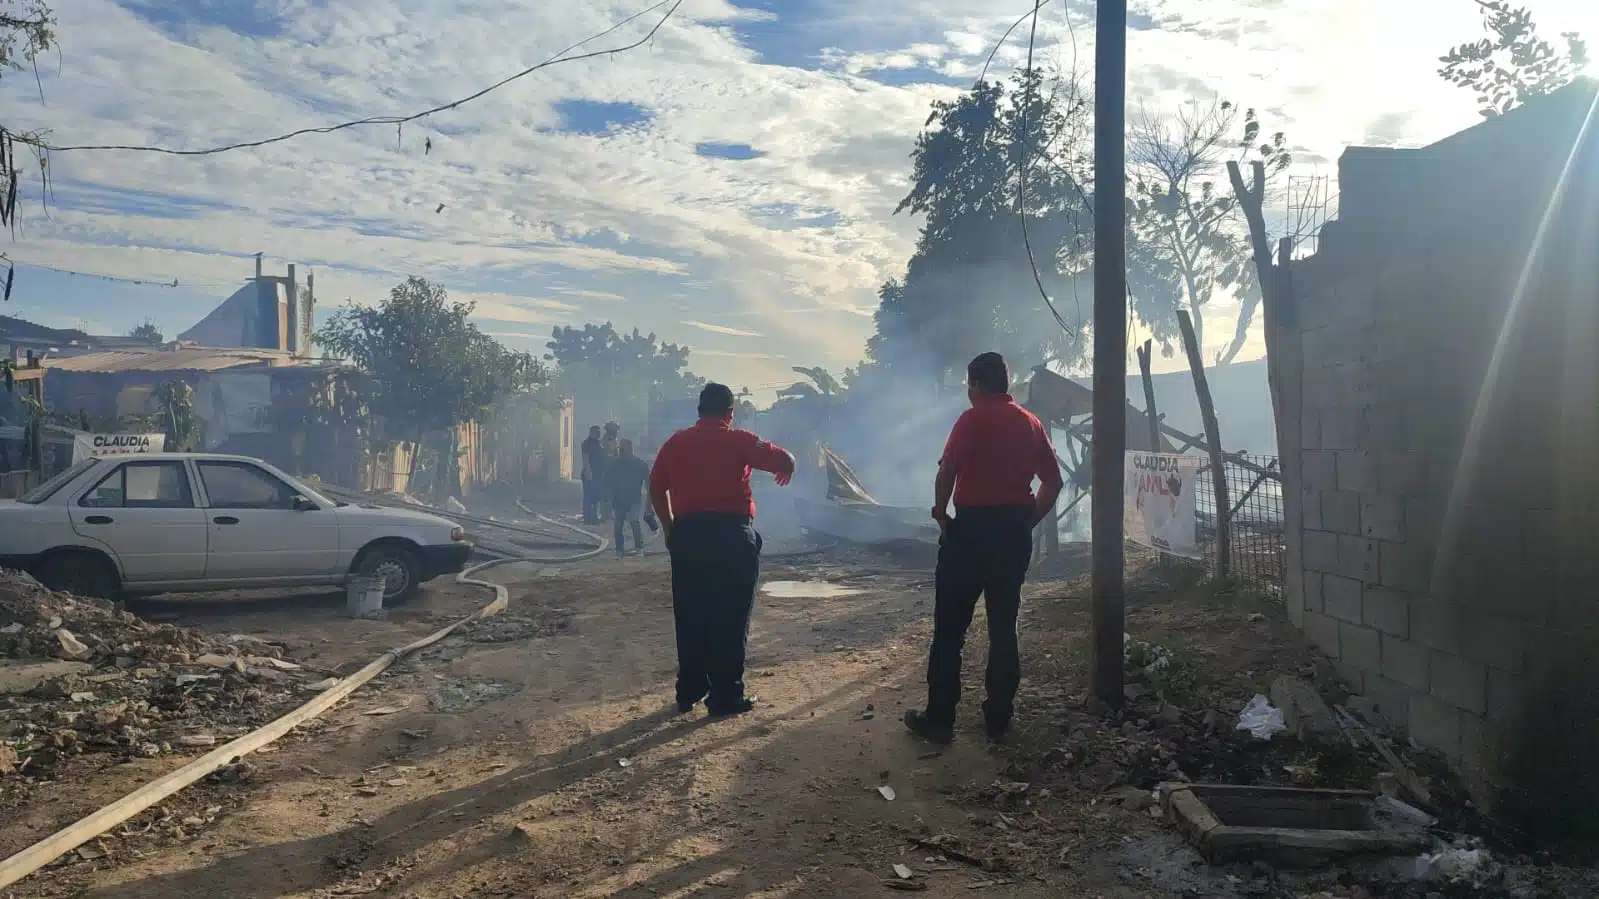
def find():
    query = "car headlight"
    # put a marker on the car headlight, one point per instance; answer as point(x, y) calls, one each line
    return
point(458, 535)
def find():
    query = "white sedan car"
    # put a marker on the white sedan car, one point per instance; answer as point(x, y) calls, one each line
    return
point(188, 522)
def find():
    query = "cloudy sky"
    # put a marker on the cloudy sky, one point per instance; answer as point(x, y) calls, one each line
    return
point(728, 185)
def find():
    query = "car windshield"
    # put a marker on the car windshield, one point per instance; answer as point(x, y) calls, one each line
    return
point(48, 489)
point(306, 491)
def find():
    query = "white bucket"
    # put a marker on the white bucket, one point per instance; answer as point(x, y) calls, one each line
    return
point(364, 596)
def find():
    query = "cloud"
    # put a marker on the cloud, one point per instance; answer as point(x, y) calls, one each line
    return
point(723, 329)
point(732, 354)
point(745, 162)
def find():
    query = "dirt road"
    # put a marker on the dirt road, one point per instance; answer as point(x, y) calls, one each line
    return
point(536, 756)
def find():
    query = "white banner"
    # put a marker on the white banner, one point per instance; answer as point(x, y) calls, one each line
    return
point(85, 445)
point(1159, 511)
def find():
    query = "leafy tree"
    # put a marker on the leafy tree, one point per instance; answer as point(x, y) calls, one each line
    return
point(27, 28)
point(1513, 63)
point(1189, 241)
point(612, 376)
point(175, 416)
point(427, 367)
point(971, 286)
point(147, 332)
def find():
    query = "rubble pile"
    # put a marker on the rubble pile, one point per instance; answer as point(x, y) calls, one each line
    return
point(79, 677)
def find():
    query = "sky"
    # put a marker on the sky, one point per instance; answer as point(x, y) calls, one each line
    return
point(729, 185)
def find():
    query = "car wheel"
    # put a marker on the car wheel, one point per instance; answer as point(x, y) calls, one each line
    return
point(397, 566)
point(79, 573)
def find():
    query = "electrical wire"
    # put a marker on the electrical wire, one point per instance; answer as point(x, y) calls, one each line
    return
point(399, 120)
point(145, 282)
point(1021, 192)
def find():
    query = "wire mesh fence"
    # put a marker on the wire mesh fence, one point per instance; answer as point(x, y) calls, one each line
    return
point(1255, 504)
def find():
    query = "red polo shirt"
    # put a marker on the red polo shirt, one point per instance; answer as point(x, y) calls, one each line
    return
point(995, 449)
point(706, 468)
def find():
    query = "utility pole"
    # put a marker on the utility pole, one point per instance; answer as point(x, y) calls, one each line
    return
point(1110, 348)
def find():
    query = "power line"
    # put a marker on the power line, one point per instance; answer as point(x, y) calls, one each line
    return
point(397, 121)
point(146, 282)
point(1021, 190)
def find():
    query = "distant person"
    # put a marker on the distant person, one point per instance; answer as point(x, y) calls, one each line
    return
point(593, 475)
point(625, 486)
point(994, 452)
point(608, 444)
point(700, 489)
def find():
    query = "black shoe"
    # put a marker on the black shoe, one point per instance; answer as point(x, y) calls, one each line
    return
point(996, 730)
point(746, 704)
point(922, 726)
point(684, 706)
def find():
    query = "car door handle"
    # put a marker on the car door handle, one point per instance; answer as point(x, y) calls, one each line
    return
point(225, 519)
point(98, 519)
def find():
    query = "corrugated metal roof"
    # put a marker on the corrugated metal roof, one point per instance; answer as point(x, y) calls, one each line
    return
point(182, 359)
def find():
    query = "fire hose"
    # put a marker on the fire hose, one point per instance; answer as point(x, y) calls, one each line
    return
point(49, 849)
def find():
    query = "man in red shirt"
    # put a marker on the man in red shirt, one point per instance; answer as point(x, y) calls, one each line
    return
point(995, 450)
point(700, 490)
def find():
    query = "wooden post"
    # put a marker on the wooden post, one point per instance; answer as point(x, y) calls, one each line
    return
point(1110, 351)
point(1218, 470)
point(1153, 415)
point(1149, 396)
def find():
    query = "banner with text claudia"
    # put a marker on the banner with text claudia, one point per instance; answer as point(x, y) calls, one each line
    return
point(85, 445)
point(1159, 510)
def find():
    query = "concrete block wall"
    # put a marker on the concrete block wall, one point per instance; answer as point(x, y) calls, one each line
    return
point(1447, 407)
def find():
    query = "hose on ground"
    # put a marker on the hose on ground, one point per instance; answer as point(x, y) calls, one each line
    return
point(47, 850)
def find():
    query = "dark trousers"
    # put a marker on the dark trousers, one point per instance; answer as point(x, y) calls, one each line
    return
point(592, 501)
point(985, 552)
point(716, 562)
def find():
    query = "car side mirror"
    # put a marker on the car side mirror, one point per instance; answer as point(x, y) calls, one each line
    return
point(301, 504)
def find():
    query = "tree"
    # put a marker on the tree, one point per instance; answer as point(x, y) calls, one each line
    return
point(427, 367)
point(611, 375)
point(27, 28)
point(147, 332)
point(175, 416)
point(971, 286)
point(1190, 241)
point(1513, 63)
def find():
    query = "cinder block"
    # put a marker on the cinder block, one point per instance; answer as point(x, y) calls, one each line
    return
point(1540, 538)
point(1357, 471)
point(1358, 558)
point(1405, 566)
point(1401, 472)
point(1382, 517)
point(1340, 512)
point(1319, 470)
point(1341, 598)
point(1391, 699)
point(1460, 682)
point(1323, 632)
point(1423, 518)
point(1310, 513)
point(1505, 697)
point(1495, 642)
point(1474, 753)
point(1435, 723)
point(1383, 427)
point(1313, 581)
point(1321, 551)
point(1386, 609)
point(1310, 426)
point(1405, 662)
point(1340, 428)
point(1436, 625)
point(1360, 646)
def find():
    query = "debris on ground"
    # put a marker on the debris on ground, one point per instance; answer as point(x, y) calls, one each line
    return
point(78, 677)
point(1261, 719)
